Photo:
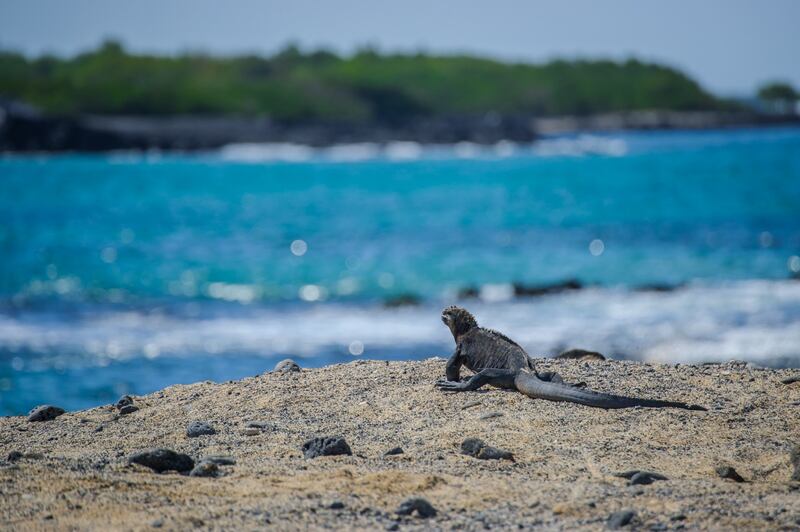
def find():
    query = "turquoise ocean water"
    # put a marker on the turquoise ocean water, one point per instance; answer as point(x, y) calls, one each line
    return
point(127, 272)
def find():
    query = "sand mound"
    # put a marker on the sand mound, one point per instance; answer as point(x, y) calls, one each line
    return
point(74, 470)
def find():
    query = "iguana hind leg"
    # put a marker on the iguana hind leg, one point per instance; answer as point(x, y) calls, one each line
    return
point(552, 376)
point(502, 378)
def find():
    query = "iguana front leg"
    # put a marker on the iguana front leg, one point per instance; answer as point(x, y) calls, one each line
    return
point(502, 378)
point(453, 368)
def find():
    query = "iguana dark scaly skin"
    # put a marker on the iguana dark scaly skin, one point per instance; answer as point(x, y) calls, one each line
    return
point(499, 361)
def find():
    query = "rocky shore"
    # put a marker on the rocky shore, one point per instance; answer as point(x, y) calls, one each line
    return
point(25, 129)
point(372, 445)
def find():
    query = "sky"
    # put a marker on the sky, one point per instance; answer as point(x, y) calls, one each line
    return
point(730, 46)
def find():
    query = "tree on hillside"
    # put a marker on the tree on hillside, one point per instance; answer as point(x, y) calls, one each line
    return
point(778, 97)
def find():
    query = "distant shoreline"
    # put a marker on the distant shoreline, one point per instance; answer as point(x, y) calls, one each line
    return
point(24, 129)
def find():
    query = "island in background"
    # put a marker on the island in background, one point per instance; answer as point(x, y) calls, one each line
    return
point(109, 99)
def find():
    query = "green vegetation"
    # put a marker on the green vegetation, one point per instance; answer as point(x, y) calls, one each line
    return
point(777, 92)
point(367, 87)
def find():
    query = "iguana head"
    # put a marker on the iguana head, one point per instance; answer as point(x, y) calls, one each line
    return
point(458, 320)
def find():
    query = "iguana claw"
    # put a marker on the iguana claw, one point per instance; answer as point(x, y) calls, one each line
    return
point(449, 386)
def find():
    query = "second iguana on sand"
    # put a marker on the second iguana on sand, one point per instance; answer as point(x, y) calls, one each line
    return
point(499, 361)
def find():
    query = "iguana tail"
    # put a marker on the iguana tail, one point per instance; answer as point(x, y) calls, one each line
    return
point(532, 386)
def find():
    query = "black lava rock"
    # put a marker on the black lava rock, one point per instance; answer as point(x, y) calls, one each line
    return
point(205, 469)
point(419, 505)
point(123, 401)
point(478, 449)
point(45, 413)
point(638, 477)
point(336, 505)
point(128, 409)
point(160, 460)
point(394, 451)
point(620, 519)
point(327, 446)
point(729, 473)
point(13, 456)
point(199, 428)
point(287, 366)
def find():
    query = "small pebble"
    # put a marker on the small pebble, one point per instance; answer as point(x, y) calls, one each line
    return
point(419, 505)
point(45, 413)
point(336, 505)
point(470, 404)
point(478, 449)
point(394, 451)
point(160, 460)
point(250, 431)
point(638, 477)
point(729, 473)
point(199, 428)
point(13, 456)
point(287, 366)
point(791, 380)
point(205, 469)
point(491, 415)
point(326, 446)
point(125, 400)
point(620, 519)
point(128, 409)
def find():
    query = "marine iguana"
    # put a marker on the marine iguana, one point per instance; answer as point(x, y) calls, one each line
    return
point(499, 361)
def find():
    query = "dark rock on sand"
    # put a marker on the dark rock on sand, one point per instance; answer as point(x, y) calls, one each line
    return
point(45, 413)
point(620, 519)
point(419, 505)
point(220, 460)
point(638, 477)
point(393, 451)
point(729, 473)
point(261, 425)
point(160, 460)
point(580, 354)
point(791, 380)
point(643, 478)
point(326, 446)
point(13, 456)
point(205, 469)
point(336, 505)
point(199, 428)
point(128, 409)
point(490, 415)
point(478, 449)
point(795, 459)
point(287, 366)
point(123, 401)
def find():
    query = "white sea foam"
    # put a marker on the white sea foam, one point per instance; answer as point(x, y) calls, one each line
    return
point(410, 151)
point(756, 321)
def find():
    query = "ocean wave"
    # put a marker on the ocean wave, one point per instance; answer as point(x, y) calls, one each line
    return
point(757, 321)
point(400, 151)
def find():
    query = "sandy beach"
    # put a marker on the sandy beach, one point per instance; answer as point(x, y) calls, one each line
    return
point(74, 471)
